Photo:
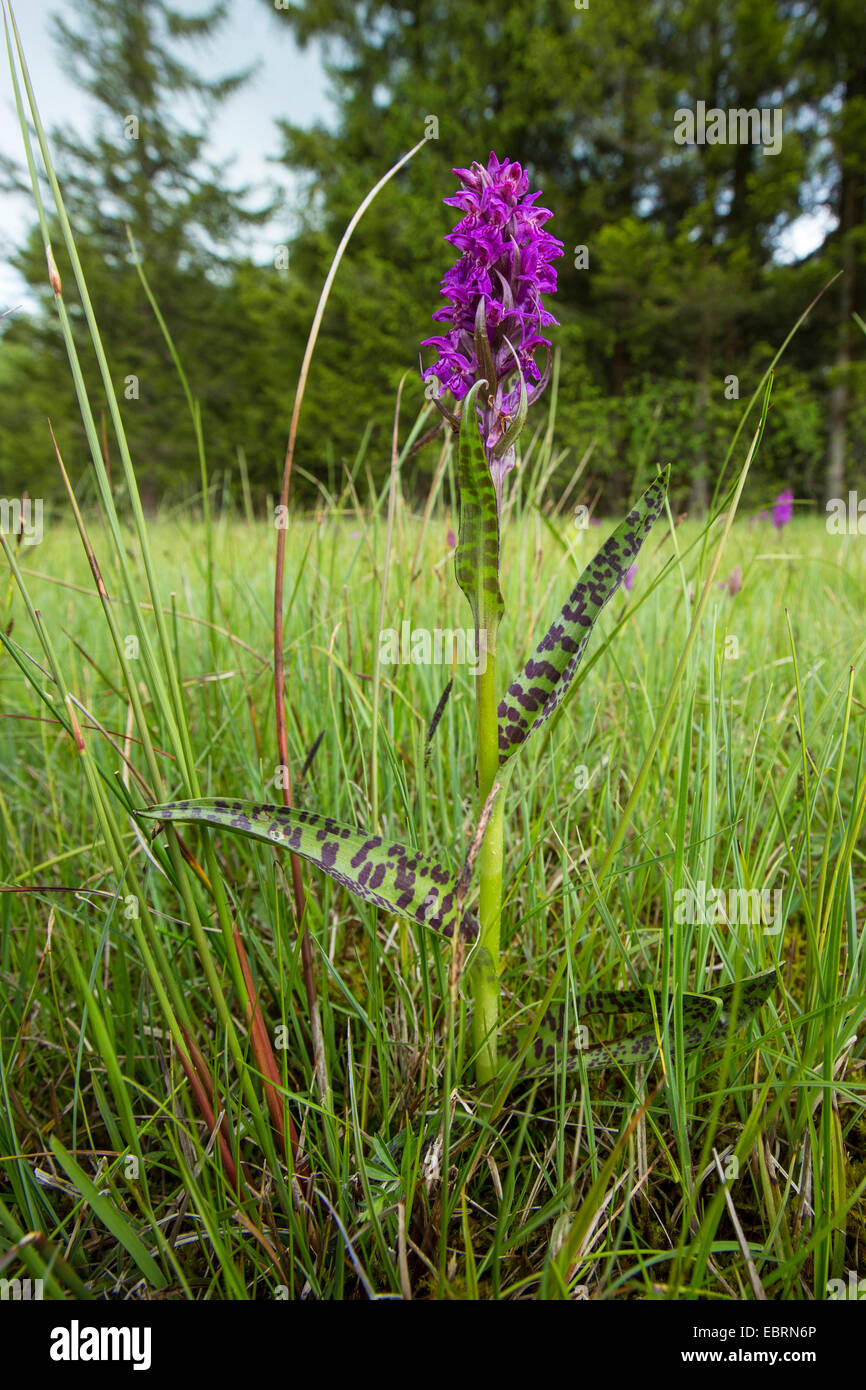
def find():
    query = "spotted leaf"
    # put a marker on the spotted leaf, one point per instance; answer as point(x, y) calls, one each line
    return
point(542, 684)
point(394, 877)
point(706, 1019)
point(476, 562)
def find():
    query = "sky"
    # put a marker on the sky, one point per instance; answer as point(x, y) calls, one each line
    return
point(288, 83)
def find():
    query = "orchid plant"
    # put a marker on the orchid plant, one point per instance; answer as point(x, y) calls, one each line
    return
point(487, 362)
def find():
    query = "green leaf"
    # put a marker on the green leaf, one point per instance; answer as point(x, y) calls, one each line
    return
point(705, 1022)
point(399, 879)
point(542, 684)
point(109, 1214)
point(476, 562)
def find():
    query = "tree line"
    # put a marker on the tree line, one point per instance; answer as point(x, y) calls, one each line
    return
point(676, 142)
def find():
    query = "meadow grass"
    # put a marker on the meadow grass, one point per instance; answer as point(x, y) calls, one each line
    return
point(609, 1185)
point(166, 1127)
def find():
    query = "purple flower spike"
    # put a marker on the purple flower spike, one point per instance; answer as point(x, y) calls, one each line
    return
point(783, 508)
point(495, 314)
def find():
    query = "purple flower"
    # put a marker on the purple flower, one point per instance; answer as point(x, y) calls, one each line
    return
point(495, 314)
point(783, 508)
point(734, 581)
point(628, 577)
point(450, 539)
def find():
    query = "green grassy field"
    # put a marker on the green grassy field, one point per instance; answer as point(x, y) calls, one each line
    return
point(708, 1175)
point(222, 1078)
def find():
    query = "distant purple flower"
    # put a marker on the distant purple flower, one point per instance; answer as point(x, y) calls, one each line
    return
point(495, 300)
point(628, 577)
point(783, 508)
point(451, 540)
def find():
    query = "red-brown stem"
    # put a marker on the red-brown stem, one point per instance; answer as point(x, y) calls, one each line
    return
point(319, 1062)
point(204, 1090)
point(267, 1062)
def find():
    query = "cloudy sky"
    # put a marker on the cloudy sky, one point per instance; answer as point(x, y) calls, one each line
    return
point(287, 83)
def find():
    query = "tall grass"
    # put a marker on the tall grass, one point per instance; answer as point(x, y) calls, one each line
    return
point(160, 1123)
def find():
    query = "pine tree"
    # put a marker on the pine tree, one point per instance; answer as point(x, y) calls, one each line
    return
point(832, 39)
point(679, 241)
point(144, 168)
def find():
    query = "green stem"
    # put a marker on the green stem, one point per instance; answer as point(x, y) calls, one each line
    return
point(485, 968)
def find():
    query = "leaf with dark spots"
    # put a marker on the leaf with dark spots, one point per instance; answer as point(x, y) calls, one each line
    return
point(532, 697)
point(476, 562)
point(394, 877)
point(706, 1020)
